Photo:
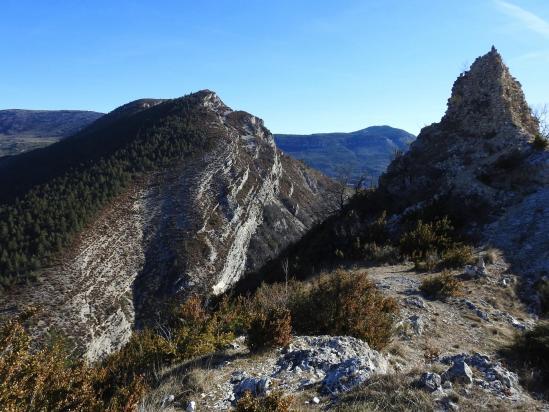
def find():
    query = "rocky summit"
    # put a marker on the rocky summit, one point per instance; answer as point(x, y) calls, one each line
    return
point(195, 226)
point(479, 165)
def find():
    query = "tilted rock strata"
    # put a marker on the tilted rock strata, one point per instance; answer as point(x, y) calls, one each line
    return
point(194, 228)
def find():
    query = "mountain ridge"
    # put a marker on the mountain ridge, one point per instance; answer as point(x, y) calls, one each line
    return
point(181, 197)
point(366, 151)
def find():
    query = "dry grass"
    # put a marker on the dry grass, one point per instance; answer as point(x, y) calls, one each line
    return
point(529, 354)
point(184, 386)
point(491, 256)
point(392, 392)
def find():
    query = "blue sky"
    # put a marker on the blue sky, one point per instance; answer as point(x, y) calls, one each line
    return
point(303, 66)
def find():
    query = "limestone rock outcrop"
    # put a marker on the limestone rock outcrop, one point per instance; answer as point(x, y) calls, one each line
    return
point(478, 166)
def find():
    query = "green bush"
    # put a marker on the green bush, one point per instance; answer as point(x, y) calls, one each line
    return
point(457, 256)
point(434, 245)
point(425, 238)
point(440, 286)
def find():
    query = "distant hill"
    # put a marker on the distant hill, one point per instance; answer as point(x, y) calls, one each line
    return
point(23, 130)
point(368, 150)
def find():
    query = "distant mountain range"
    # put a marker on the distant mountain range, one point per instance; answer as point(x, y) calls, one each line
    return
point(23, 130)
point(367, 151)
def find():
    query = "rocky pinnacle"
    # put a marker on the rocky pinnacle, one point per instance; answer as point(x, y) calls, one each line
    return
point(487, 99)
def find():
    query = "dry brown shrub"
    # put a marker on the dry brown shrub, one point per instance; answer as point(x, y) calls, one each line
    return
point(344, 303)
point(441, 286)
point(47, 380)
point(274, 402)
point(271, 329)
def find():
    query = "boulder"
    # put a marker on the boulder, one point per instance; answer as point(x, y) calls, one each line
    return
point(256, 386)
point(492, 375)
point(430, 381)
point(339, 362)
point(459, 372)
point(417, 324)
point(191, 406)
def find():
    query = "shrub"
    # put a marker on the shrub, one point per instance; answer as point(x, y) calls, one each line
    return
point(271, 329)
point(432, 245)
point(192, 330)
point(440, 286)
point(144, 352)
point(47, 380)
point(197, 331)
point(457, 256)
point(341, 303)
point(425, 238)
point(377, 230)
point(381, 253)
point(274, 402)
point(428, 263)
point(530, 355)
point(540, 142)
point(344, 304)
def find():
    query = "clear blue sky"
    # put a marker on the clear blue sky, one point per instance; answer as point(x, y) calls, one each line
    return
point(303, 66)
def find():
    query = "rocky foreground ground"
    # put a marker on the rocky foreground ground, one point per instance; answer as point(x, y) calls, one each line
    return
point(445, 350)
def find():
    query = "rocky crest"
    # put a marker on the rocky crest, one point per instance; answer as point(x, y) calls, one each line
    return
point(195, 227)
point(487, 100)
point(478, 165)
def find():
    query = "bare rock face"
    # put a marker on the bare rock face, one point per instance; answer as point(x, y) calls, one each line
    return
point(480, 148)
point(195, 227)
point(478, 166)
point(487, 100)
